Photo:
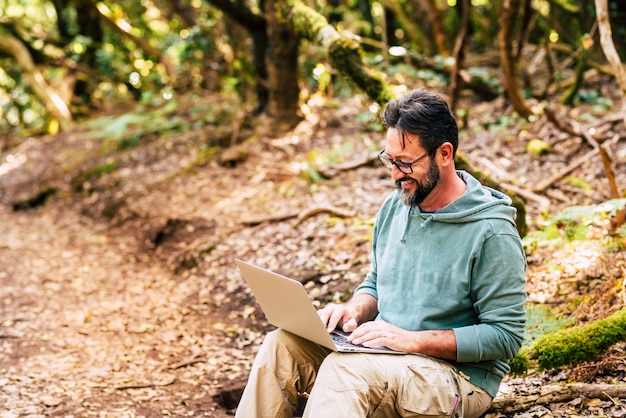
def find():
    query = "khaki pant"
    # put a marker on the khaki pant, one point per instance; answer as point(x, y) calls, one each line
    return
point(354, 385)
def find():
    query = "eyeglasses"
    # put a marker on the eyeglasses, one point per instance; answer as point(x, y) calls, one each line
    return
point(405, 167)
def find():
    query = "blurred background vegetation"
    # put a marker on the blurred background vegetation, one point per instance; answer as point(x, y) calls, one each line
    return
point(63, 61)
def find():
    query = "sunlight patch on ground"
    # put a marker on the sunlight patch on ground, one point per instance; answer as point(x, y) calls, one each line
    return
point(12, 162)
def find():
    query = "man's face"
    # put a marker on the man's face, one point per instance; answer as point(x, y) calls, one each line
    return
point(416, 186)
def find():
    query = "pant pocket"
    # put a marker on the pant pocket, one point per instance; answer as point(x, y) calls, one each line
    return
point(428, 392)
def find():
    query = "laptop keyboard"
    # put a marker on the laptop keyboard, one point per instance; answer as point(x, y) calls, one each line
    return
point(341, 339)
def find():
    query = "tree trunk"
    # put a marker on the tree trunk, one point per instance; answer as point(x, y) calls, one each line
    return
point(423, 25)
point(606, 40)
point(256, 25)
point(458, 53)
point(185, 11)
point(51, 100)
point(438, 28)
point(510, 10)
point(282, 65)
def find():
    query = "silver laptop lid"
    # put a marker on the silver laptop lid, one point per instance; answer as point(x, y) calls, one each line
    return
point(286, 303)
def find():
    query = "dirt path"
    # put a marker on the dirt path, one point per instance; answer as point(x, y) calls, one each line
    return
point(89, 331)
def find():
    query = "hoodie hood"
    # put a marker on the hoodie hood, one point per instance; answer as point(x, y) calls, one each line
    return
point(477, 203)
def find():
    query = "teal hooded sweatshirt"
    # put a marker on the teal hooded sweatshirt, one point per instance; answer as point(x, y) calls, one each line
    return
point(460, 268)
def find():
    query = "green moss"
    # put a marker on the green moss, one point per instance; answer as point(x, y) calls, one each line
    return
point(580, 344)
point(112, 208)
point(521, 363)
point(344, 52)
point(205, 156)
point(345, 55)
point(92, 173)
point(307, 22)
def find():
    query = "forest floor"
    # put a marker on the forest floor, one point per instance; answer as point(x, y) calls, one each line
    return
point(119, 296)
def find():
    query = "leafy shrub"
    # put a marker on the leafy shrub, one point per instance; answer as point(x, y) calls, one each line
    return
point(574, 223)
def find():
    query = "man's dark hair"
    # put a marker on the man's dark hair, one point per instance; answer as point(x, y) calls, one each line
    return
point(425, 114)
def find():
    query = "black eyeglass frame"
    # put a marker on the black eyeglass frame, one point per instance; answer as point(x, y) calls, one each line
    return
point(388, 163)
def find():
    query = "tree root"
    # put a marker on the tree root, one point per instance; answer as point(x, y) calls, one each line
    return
point(301, 216)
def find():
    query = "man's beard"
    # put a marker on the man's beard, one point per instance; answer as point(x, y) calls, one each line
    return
point(422, 189)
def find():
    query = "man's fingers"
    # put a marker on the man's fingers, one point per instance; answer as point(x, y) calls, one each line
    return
point(349, 325)
point(335, 319)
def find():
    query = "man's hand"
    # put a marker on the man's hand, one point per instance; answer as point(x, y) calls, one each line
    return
point(334, 315)
point(348, 316)
point(434, 343)
point(381, 333)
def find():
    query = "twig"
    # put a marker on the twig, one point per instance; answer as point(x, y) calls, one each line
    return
point(146, 385)
point(550, 181)
point(558, 123)
point(301, 215)
point(575, 129)
point(271, 219)
point(612, 400)
point(544, 203)
point(341, 213)
point(547, 183)
point(187, 362)
point(239, 118)
point(330, 172)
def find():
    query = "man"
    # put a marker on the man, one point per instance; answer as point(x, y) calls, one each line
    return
point(446, 285)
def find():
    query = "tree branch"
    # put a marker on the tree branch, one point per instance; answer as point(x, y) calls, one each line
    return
point(51, 100)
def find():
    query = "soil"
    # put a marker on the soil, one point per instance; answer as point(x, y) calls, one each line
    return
point(119, 296)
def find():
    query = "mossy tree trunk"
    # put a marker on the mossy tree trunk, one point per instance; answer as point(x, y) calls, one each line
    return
point(344, 53)
point(287, 22)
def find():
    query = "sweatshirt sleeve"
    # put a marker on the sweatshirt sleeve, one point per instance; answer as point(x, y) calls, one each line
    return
point(499, 294)
point(368, 285)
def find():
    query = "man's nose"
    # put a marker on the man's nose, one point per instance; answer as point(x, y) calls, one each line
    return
point(396, 174)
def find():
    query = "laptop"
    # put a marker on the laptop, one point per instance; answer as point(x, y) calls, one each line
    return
point(287, 305)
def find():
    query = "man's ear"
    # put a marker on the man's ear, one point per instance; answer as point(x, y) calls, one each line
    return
point(446, 151)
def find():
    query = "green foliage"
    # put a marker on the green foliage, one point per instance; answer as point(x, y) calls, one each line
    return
point(309, 173)
point(573, 224)
point(126, 131)
point(79, 181)
point(540, 321)
point(370, 121)
point(486, 76)
point(205, 155)
point(578, 183)
point(579, 344)
point(596, 98)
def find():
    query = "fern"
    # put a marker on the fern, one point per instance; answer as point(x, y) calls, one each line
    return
point(574, 224)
